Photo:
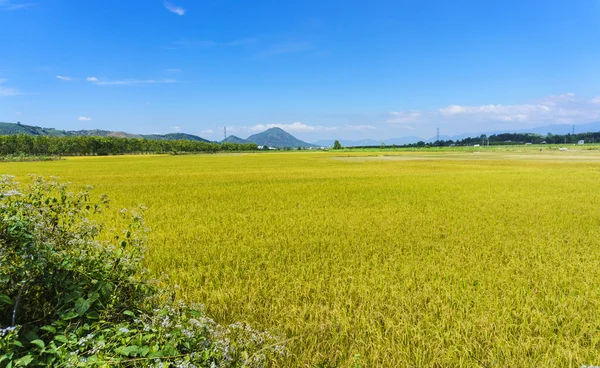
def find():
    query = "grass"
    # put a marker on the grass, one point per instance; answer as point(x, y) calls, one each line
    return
point(453, 259)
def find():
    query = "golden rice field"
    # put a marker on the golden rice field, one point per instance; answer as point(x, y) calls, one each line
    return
point(487, 259)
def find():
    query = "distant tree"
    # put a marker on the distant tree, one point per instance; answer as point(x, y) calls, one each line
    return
point(265, 147)
point(337, 145)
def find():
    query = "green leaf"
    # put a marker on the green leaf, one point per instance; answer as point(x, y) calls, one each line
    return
point(81, 306)
point(129, 313)
point(39, 343)
point(92, 297)
point(92, 315)
point(24, 361)
point(70, 315)
point(130, 350)
point(61, 338)
point(144, 351)
point(49, 329)
point(5, 299)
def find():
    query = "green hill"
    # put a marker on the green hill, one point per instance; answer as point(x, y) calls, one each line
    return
point(18, 128)
point(234, 139)
point(174, 136)
point(277, 137)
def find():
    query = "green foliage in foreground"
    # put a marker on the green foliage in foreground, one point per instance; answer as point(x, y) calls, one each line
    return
point(68, 298)
point(22, 144)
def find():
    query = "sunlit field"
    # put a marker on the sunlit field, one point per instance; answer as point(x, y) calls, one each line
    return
point(376, 258)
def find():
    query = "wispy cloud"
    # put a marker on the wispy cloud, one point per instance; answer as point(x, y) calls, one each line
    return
point(194, 43)
point(176, 128)
point(207, 131)
point(64, 78)
point(191, 43)
point(174, 8)
point(84, 118)
point(297, 127)
point(242, 42)
point(286, 48)
point(564, 109)
point(403, 117)
point(128, 82)
point(6, 91)
point(359, 127)
point(567, 108)
point(8, 5)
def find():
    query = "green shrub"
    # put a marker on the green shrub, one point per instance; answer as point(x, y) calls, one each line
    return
point(75, 294)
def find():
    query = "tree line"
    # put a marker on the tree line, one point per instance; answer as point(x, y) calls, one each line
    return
point(515, 138)
point(22, 144)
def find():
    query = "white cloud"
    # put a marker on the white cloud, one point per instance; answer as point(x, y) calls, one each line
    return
point(563, 109)
point(359, 127)
point(129, 82)
point(176, 128)
point(403, 117)
point(596, 100)
point(208, 131)
point(9, 5)
point(297, 127)
point(174, 8)
point(64, 78)
point(84, 118)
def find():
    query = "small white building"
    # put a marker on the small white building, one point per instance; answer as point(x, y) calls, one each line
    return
point(581, 141)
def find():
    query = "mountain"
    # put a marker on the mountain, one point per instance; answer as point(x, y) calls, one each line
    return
point(234, 139)
point(174, 136)
point(10, 128)
point(277, 137)
point(18, 128)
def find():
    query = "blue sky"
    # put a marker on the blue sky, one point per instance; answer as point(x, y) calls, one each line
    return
point(319, 69)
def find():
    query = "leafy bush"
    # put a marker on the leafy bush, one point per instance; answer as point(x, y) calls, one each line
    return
point(75, 294)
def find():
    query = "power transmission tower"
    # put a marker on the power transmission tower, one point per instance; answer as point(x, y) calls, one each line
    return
point(225, 132)
point(438, 134)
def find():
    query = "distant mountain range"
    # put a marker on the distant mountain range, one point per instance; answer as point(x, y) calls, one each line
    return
point(277, 137)
point(274, 137)
point(10, 128)
point(542, 130)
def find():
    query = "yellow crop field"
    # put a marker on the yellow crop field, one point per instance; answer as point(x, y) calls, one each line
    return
point(376, 259)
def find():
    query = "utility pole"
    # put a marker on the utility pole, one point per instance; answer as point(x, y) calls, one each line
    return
point(573, 129)
point(225, 132)
point(438, 134)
